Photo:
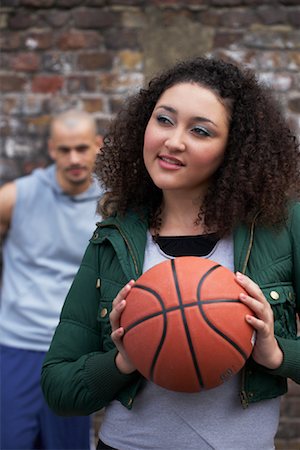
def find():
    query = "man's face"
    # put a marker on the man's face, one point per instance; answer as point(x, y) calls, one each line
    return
point(74, 151)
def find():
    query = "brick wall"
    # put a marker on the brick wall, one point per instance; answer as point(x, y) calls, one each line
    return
point(90, 54)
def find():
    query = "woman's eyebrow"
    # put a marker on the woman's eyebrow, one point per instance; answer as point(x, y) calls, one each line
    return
point(196, 118)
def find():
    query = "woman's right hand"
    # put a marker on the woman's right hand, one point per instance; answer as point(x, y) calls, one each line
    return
point(123, 362)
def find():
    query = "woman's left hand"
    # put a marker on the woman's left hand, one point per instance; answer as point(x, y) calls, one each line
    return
point(266, 350)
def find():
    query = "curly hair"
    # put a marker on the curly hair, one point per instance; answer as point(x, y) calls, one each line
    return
point(260, 172)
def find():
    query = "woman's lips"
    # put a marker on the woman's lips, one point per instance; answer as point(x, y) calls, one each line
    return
point(168, 162)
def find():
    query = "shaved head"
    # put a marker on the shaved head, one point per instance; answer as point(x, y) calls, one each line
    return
point(71, 120)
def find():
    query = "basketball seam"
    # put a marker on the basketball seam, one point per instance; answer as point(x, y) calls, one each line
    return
point(164, 331)
point(208, 322)
point(185, 324)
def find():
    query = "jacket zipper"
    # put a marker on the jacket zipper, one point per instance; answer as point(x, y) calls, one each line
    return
point(128, 245)
point(250, 244)
point(243, 394)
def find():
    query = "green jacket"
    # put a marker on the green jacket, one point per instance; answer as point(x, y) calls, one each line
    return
point(79, 374)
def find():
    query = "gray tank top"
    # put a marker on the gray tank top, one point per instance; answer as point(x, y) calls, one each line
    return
point(212, 419)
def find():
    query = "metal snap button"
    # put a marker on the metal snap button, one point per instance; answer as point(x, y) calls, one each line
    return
point(103, 312)
point(274, 295)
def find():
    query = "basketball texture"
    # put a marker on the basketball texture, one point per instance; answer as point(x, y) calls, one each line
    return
point(185, 326)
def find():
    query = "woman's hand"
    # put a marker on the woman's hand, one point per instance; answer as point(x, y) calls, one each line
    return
point(122, 361)
point(266, 350)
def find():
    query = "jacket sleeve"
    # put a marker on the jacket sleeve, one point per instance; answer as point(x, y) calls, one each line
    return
point(78, 378)
point(290, 367)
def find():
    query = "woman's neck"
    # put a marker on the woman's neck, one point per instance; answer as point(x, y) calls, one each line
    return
point(179, 217)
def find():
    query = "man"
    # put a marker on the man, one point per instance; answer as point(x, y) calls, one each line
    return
point(46, 220)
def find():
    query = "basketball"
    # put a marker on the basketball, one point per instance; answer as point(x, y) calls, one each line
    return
point(185, 326)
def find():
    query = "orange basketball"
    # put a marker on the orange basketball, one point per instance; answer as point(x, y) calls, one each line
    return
point(185, 326)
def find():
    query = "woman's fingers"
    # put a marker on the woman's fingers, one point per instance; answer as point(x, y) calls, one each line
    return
point(123, 293)
point(118, 306)
point(252, 288)
point(266, 350)
point(255, 299)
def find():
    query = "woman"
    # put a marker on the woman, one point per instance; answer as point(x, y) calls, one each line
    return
point(200, 163)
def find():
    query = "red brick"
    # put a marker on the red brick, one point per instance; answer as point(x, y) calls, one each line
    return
point(175, 2)
point(294, 105)
point(230, 2)
point(290, 407)
point(210, 17)
point(38, 3)
point(9, 3)
point(94, 18)
point(29, 166)
point(288, 428)
point(20, 21)
point(9, 169)
point(12, 83)
point(10, 105)
point(294, 389)
point(58, 62)
point(38, 40)
point(38, 124)
point(26, 62)
point(293, 58)
point(95, 2)
point(92, 104)
point(76, 39)
point(269, 15)
point(56, 18)
point(81, 83)
point(68, 3)
point(118, 38)
point(10, 41)
point(120, 83)
point(47, 84)
point(95, 61)
point(225, 39)
point(140, 2)
point(293, 16)
point(5, 127)
point(238, 17)
point(289, 2)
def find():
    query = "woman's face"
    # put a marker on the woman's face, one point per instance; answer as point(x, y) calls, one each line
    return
point(185, 138)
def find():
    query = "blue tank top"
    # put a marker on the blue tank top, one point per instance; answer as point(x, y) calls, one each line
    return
point(42, 252)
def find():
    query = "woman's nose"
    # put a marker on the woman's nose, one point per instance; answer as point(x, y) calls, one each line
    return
point(175, 141)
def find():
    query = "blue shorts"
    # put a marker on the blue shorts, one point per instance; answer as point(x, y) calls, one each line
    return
point(26, 420)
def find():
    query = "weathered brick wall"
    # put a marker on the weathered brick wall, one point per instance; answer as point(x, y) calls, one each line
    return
point(90, 54)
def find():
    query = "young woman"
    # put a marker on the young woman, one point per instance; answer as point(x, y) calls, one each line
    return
point(200, 163)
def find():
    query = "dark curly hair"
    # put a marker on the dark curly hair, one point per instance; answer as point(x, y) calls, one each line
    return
point(260, 172)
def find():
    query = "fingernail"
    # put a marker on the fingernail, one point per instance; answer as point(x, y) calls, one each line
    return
point(239, 275)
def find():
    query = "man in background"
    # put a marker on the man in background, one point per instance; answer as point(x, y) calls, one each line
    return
point(46, 220)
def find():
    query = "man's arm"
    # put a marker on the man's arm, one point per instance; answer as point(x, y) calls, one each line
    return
point(8, 195)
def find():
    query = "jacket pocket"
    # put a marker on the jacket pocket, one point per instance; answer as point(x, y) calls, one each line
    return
point(108, 292)
point(283, 302)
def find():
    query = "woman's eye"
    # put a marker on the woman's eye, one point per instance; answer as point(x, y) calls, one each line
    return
point(201, 131)
point(164, 119)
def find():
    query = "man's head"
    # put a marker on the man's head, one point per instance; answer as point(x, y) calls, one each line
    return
point(73, 145)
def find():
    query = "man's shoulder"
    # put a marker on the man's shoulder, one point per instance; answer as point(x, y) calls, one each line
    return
point(38, 175)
